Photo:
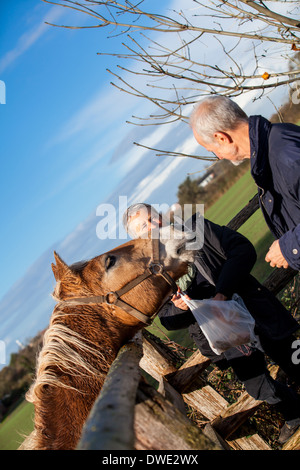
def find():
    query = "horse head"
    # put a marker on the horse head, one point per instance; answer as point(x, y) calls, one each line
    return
point(92, 281)
point(87, 329)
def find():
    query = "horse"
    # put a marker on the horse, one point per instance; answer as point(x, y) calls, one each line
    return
point(101, 304)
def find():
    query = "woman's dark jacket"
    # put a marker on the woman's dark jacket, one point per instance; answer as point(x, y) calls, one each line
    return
point(227, 258)
point(275, 168)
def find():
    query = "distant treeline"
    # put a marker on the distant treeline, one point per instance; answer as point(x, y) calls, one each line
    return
point(16, 378)
point(225, 175)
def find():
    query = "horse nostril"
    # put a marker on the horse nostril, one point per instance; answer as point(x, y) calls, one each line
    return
point(180, 249)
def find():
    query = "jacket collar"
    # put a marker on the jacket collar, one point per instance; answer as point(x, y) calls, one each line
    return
point(259, 130)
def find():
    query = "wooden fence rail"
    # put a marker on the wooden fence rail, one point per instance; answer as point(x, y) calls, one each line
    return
point(110, 425)
point(130, 414)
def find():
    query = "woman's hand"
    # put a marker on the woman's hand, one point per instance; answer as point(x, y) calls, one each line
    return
point(179, 302)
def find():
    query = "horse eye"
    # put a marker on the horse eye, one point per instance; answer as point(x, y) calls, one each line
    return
point(109, 262)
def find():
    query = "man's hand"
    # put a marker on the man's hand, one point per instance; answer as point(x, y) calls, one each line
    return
point(275, 257)
point(179, 302)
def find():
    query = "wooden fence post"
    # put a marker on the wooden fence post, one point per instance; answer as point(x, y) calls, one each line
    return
point(110, 425)
point(241, 217)
point(293, 443)
point(159, 425)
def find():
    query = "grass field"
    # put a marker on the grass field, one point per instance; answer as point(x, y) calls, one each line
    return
point(17, 425)
point(19, 422)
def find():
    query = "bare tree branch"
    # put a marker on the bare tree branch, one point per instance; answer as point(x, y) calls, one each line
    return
point(177, 154)
point(170, 69)
point(163, 23)
point(259, 6)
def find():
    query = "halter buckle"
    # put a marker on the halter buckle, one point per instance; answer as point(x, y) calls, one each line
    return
point(156, 268)
point(107, 298)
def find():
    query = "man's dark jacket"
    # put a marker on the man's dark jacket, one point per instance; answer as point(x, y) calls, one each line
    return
point(275, 168)
point(227, 258)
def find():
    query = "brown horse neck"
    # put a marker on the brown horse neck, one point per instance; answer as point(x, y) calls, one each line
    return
point(70, 373)
point(61, 414)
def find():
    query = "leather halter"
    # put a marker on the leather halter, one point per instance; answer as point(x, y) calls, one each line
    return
point(155, 267)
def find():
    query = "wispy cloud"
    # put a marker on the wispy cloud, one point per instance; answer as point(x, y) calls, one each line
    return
point(94, 115)
point(29, 38)
point(162, 173)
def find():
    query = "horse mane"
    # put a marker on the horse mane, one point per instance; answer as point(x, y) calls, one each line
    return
point(60, 350)
point(66, 351)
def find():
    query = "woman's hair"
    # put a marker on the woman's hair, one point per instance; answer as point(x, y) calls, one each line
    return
point(133, 209)
point(216, 114)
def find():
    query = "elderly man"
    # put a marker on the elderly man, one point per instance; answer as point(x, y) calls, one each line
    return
point(221, 268)
point(223, 128)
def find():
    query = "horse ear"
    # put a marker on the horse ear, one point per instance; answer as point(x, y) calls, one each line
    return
point(60, 268)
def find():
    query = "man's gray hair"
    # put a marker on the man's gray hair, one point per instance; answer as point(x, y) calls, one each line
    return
point(216, 114)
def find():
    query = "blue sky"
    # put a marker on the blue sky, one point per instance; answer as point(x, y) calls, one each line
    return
point(65, 145)
point(59, 128)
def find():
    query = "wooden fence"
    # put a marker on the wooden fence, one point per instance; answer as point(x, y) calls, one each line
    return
point(130, 414)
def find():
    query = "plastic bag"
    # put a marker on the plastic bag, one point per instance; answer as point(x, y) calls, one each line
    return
point(225, 324)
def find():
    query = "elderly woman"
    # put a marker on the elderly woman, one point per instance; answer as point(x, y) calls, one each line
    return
point(221, 268)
